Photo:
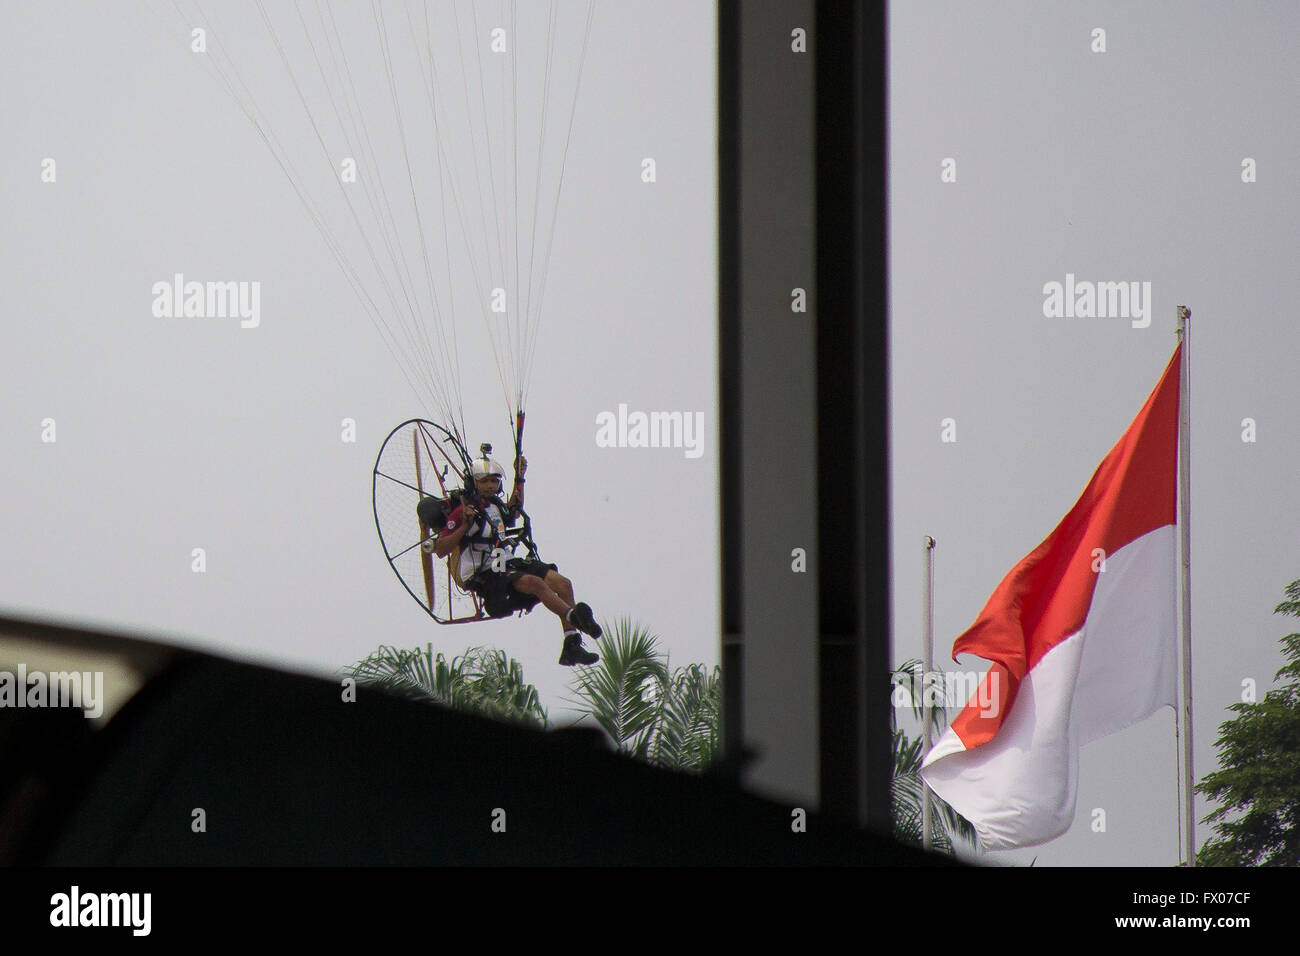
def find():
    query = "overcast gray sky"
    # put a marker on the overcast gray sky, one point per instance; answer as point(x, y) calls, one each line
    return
point(1116, 166)
point(174, 434)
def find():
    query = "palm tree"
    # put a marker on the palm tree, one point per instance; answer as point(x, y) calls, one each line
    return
point(482, 681)
point(907, 787)
point(689, 735)
point(670, 718)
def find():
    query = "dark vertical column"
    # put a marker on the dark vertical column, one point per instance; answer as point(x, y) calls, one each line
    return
point(852, 422)
point(732, 492)
point(768, 250)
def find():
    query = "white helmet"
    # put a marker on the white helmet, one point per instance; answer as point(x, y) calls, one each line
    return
point(485, 468)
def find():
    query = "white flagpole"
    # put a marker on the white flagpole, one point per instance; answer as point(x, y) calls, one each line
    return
point(1185, 550)
point(927, 664)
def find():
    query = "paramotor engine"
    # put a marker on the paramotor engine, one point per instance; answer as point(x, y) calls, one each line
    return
point(419, 478)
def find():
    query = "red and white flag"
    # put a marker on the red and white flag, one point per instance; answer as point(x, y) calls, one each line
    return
point(1082, 635)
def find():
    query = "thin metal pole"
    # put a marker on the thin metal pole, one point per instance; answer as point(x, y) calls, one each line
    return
point(927, 665)
point(1185, 538)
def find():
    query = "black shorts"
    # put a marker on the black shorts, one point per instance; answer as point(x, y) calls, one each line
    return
point(496, 588)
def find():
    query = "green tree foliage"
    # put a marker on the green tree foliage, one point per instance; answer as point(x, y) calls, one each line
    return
point(1258, 783)
point(906, 788)
point(621, 691)
point(690, 723)
point(481, 681)
point(670, 718)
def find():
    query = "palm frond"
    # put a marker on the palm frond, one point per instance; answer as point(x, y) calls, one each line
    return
point(907, 787)
point(905, 796)
point(622, 691)
point(909, 690)
point(483, 681)
point(689, 732)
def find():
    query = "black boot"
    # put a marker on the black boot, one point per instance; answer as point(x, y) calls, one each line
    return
point(574, 652)
point(580, 616)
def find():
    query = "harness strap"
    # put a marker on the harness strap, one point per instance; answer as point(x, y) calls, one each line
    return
point(476, 536)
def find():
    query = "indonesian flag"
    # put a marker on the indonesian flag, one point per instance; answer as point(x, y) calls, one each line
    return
point(1082, 636)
